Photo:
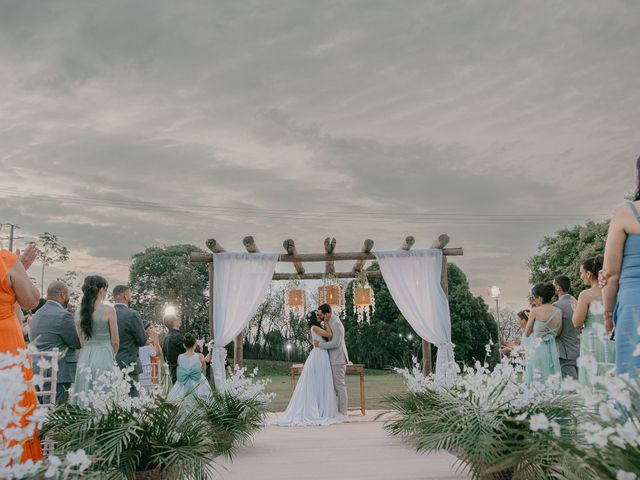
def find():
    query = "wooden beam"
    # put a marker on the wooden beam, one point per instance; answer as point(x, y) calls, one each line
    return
point(290, 247)
point(367, 246)
point(237, 350)
point(329, 248)
point(441, 242)
point(250, 244)
point(408, 243)
point(320, 276)
point(214, 246)
point(320, 257)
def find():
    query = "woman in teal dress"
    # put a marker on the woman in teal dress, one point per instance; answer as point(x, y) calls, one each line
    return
point(621, 280)
point(588, 316)
point(544, 324)
point(98, 332)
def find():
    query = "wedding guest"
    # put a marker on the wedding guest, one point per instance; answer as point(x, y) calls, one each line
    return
point(544, 324)
point(150, 353)
point(52, 327)
point(520, 344)
point(589, 317)
point(98, 332)
point(17, 290)
point(173, 345)
point(190, 374)
point(621, 281)
point(131, 333)
point(567, 341)
point(27, 315)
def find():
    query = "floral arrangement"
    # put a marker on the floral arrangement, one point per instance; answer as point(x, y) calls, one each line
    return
point(247, 387)
point(498, 427)
point(72, 465)
point(127, 436)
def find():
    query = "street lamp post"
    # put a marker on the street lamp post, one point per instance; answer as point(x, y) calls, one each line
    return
point(288, 351)
point(494, 291)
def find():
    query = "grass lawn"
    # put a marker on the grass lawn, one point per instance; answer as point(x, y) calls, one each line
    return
point(377, 385)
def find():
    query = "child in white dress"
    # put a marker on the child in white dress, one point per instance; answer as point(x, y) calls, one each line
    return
point(190, 378)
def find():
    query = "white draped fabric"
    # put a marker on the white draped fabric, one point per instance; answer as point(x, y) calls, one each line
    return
point(240, 284)
point(413, 278)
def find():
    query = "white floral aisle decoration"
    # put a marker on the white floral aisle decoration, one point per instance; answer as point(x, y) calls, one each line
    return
point(72, 465)
point(501, 428)
point(247, 387)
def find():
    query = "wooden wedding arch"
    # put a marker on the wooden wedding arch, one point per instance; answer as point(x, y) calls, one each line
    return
point(329, 257)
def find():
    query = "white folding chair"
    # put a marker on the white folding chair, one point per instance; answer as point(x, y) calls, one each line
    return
point(45, 364)
point(151, 376)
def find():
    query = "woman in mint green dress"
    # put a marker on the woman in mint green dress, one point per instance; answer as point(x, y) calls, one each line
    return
point(588, 315)
point(544, 324)
point(98, 332)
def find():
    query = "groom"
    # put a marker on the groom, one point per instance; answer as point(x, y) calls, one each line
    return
point(338, 355)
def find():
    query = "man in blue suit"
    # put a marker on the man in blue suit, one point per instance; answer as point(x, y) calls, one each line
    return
point(52, 327)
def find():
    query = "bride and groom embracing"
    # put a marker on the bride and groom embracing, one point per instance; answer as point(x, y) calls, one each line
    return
point(323, 376)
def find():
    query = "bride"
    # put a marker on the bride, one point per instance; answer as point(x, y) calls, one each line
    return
point(314, 400)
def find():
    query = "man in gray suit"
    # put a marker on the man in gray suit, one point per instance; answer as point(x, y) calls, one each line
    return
point(130, 331)
point(568, 342)
point(338, 356)
point(52, 327)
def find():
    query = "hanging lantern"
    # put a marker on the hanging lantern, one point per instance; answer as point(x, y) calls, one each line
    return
point(362, 296)
point(295, 298)
point(364, 303)
point(332, 293)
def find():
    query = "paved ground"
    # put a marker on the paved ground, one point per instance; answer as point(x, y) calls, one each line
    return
point(357, 450)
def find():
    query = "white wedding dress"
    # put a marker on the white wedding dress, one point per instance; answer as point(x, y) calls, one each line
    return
point(314, 400)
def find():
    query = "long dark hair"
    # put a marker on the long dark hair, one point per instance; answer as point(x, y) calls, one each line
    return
point(546, 291)
point(593, 265)
point(312, 321)
point(90, 288)
point(637, 195)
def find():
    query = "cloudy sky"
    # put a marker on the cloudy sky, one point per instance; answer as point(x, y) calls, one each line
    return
point(129, 124)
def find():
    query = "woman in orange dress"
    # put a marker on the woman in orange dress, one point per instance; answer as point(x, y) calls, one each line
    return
point(16, 287)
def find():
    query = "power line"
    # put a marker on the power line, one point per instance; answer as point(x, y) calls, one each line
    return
point(13, 227)
point(356, 216)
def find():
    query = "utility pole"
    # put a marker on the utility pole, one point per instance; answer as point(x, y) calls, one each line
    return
point(13, 227)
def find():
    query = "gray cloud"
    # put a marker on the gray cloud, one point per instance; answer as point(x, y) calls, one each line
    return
point(458, 107)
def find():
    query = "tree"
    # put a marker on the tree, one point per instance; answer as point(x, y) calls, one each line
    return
point(509, 324)
point(164, 275)
point(472, 325)
point(389, 340)
point(563, 252)
point(50, 251)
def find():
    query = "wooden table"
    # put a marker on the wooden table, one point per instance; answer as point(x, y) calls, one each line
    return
point(352, 369)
